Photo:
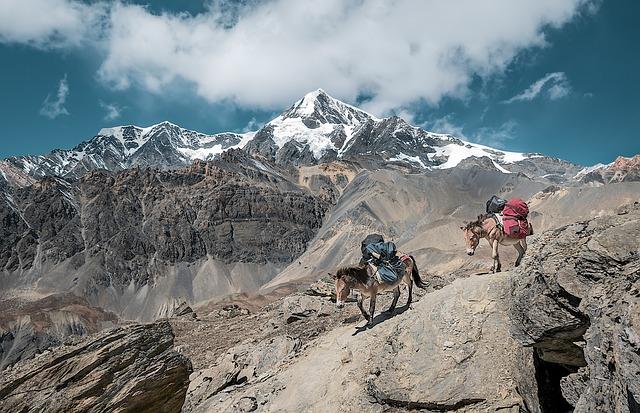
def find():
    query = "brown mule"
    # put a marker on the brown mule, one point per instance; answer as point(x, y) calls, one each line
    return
point(486, 227)
point(361, 278)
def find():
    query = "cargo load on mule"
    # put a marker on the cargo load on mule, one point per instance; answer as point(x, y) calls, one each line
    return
point(511, 214)
point(514, 218)
point(382, 256)
point(495, 205)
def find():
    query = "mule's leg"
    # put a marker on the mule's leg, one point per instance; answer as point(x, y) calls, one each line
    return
point(372, 308)
point(520, 249)
point(396, 295)
point(496, 257)
point(361, 307)
point(410, 298)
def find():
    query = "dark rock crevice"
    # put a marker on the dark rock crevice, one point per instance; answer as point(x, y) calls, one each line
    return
point(548, 378)
point(378, 396)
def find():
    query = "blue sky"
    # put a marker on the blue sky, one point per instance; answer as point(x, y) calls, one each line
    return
point(554, 76)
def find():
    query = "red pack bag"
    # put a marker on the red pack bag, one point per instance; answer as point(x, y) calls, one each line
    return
point(514, 218)
point(514, 227)
point(516, 207)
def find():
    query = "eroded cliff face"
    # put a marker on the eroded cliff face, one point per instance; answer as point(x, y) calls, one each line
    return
point(130, 369)
point(205, 231)
point(576, 301)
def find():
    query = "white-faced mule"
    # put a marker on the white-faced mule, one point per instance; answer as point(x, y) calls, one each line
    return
point(362, 279)
point(486, 227)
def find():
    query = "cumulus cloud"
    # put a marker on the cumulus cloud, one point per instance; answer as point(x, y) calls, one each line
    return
point(50, 23)
point(112, 111)
point(557, 86)
point(52, 107)
point(266, 54)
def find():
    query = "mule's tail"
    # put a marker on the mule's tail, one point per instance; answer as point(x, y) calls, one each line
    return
point(416, 275)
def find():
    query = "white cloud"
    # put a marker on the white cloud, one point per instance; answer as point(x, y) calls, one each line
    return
point(50, 23)
point(252, 126)
point(54, 107)
point(267, 54)
point(559, 88)
point(496, 137)
point(112, 111)
point(445, 124)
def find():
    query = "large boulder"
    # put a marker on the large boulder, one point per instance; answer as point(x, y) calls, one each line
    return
point(132, 369)
point(576, 300)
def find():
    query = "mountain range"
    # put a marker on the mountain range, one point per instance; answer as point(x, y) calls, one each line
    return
point(139, 222)
point(316, 129)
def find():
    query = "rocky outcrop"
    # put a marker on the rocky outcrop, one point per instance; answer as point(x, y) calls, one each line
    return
point(126, 369)
point(30, 326)
point(451, 352)
point(577, 302)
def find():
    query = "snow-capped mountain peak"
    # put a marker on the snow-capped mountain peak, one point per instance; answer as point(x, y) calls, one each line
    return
point(326, 128)
point(322, 108)
point(320, 122)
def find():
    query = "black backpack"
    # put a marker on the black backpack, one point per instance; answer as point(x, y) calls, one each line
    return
point(370, 239)
point(495, 205)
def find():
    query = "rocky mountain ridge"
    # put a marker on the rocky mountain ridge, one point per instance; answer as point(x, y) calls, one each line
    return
point(315, 129)
point(264, 215)
point(164, 145)
point(621, 170)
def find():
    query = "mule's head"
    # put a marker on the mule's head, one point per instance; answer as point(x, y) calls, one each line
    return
point(471, 237)
point(343, 287)
point(345, 282)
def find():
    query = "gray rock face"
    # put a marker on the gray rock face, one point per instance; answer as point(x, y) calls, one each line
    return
point(126, 369)
point(215, 209)
point(553, 170)
point(128, 229)
point(245, 363)
point(577, 302)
